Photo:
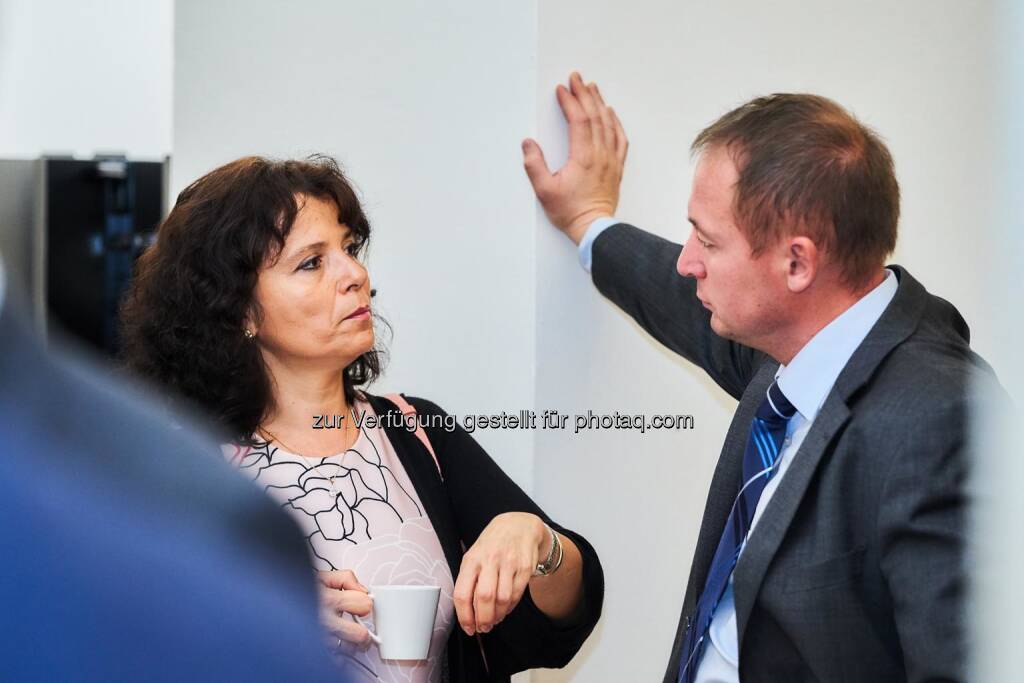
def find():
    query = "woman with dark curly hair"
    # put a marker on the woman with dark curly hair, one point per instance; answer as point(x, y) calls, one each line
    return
point(253, 304)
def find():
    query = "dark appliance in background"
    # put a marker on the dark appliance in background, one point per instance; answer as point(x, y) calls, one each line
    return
point(98, 216)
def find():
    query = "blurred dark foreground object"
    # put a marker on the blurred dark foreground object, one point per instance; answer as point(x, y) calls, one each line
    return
point(130, 549)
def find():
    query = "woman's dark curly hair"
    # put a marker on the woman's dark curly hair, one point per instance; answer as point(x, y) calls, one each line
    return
point(182, 320)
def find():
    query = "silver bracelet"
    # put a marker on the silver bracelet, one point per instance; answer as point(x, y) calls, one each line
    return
point(554, 559)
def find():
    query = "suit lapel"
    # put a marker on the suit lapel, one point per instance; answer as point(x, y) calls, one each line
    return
point(898, 321)
point(763, 543)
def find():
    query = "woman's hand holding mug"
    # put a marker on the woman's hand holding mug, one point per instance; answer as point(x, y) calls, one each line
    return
point(341, 594)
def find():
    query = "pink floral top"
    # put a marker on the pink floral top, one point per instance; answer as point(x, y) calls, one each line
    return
point(369, 520)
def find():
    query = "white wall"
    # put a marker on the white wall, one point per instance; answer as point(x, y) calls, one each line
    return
point(919, 72)
point(81, 78)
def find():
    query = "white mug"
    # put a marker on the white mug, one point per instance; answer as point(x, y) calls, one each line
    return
point(403, 617)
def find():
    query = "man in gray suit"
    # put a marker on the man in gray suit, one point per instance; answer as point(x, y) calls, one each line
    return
point(832, 543)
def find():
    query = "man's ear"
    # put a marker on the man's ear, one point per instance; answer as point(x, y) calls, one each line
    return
point(803, 261)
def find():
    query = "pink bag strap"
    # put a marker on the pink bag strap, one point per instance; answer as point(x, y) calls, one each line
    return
point(407, 410)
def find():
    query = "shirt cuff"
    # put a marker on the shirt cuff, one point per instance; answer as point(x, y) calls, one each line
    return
point(586, 247)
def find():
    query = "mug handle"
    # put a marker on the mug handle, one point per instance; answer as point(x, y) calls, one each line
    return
point(373, 636)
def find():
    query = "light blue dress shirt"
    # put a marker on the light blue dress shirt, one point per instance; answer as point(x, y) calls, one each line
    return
point(586, 247)
point(806, 382)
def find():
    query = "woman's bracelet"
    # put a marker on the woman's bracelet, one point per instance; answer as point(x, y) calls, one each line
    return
point(554, 559)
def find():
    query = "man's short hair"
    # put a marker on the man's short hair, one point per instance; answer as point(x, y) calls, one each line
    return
point(807, 166)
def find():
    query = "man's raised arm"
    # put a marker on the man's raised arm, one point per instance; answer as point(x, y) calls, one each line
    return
point(634, 269)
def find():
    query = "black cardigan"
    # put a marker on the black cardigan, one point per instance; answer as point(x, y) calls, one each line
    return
point(473, 491)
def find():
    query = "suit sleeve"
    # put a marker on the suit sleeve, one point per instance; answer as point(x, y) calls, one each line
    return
point(636, 271)
point(921, 527)
point(479, 490)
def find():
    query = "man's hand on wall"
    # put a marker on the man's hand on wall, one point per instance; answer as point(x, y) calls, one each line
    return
point(587, 186)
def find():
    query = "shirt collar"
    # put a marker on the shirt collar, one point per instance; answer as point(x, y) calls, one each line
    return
point(809, 377)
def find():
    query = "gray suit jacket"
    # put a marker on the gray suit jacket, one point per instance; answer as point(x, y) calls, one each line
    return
point(855, 572)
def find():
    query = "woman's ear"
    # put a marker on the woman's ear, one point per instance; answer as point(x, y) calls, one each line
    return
point(250, 328)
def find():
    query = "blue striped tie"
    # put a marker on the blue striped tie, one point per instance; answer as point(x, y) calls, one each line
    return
point(764, 446)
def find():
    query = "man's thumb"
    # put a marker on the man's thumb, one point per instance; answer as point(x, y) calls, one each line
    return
point(535, 165)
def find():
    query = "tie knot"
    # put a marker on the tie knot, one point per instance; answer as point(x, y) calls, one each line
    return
point(776, 407)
